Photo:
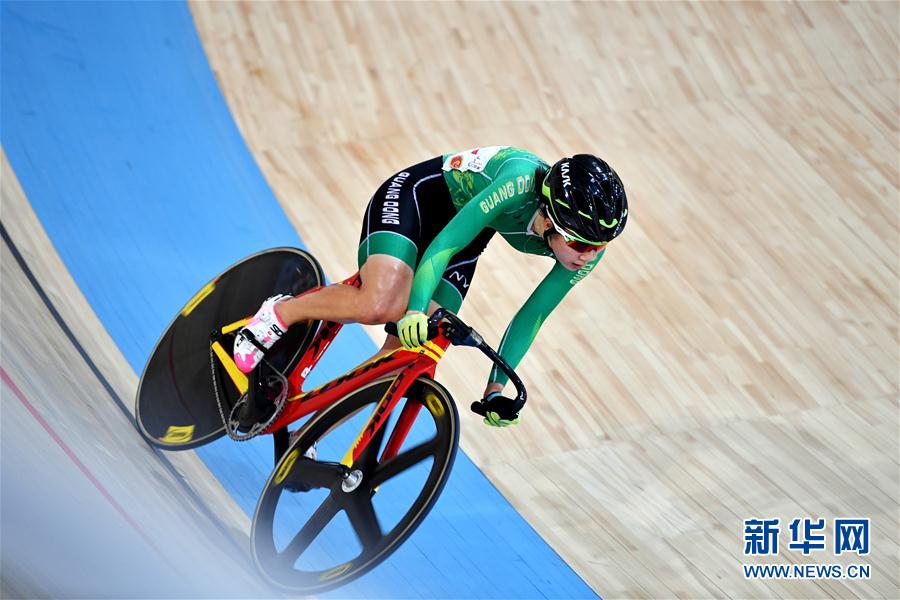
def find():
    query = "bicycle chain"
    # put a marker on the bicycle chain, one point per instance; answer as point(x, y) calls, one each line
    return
point(231, 424)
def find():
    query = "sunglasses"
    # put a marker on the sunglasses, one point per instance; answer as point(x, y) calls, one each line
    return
point(584, 247)
point(580, 246)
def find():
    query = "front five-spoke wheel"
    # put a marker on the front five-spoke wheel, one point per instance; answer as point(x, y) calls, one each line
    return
point(320, 523)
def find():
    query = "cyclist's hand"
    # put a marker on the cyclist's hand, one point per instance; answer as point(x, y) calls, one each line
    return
point(499, 410)
point(413, 329)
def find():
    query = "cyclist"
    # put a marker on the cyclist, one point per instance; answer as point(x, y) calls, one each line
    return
point(424, 230)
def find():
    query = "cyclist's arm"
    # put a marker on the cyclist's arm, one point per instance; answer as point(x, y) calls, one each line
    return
point(525, 325)
point(456, 235)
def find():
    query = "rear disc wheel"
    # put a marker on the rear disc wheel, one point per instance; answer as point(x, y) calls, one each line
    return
point(175, 406)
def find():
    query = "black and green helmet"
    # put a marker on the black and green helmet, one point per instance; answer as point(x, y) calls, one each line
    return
point(586, 198)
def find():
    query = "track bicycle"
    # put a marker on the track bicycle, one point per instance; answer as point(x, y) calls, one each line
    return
point(363, 436)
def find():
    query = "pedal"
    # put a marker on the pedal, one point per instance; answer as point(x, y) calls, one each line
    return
point(297, 485)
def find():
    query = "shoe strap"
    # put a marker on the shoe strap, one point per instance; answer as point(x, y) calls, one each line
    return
point(248, 335)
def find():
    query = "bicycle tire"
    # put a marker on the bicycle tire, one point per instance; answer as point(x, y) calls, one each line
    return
point(175, 405)
point(277, 568)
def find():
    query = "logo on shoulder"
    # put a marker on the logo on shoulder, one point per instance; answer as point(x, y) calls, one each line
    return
point(474, 160)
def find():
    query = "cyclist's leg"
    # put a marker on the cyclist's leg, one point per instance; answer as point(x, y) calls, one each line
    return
point(382, 296)
point(395, 232)
point(454, 284)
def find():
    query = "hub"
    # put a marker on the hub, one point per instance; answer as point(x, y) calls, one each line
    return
point(352, 480)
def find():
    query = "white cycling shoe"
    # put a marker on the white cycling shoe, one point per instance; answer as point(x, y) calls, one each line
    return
point(266, 328)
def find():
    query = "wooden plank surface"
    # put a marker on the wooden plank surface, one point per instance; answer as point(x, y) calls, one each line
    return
point(736, 354)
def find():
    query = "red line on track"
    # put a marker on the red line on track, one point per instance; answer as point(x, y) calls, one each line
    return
point(81, 466)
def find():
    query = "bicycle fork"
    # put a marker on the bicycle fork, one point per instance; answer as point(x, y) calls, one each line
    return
point(381, 413)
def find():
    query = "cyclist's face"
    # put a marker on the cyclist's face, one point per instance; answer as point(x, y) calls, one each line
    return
point(571, 258)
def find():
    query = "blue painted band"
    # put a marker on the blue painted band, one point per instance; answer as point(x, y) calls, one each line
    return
point(125, 147)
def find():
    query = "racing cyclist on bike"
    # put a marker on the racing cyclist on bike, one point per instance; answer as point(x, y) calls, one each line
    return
point(424, 230)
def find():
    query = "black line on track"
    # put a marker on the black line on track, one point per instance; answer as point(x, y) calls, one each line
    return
point(198, 502)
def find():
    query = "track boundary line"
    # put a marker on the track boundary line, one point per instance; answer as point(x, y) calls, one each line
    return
point(179, 478)
point(84, 469)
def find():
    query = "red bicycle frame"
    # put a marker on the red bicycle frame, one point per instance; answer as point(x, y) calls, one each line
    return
point(408, 364)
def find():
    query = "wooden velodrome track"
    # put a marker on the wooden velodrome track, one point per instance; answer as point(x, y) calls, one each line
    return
point(736, 355)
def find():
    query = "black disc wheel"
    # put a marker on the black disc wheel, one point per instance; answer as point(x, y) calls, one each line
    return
point(176, 404)
point(320, 523)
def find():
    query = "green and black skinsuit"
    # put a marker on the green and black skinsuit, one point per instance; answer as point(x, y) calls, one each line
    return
point(438, 216)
